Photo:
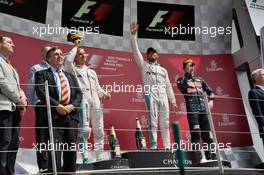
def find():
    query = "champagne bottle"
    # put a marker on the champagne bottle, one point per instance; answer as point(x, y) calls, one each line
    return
point(114, 144)
point(140, 139)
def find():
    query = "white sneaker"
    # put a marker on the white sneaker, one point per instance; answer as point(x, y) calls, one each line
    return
point(153, 147)
point(99, 156)
point(87, 161)
point(43, 170)
point(85, 154)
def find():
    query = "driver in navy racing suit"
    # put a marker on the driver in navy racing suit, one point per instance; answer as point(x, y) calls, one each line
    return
point(193, 89)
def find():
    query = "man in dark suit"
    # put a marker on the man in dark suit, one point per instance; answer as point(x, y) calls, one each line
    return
point(42, 156)
point(256, 99)
point(65, 98)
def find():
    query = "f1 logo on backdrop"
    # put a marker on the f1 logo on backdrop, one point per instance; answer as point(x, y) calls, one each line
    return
point(173, 20)
point(103, 14)
point(158, 18)
point(100, 13)
point(153, 18)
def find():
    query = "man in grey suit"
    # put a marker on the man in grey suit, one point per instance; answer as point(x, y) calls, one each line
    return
point(41, 137)
point(12, 103)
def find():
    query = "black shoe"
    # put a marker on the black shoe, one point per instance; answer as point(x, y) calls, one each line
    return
point(167, 149)
point(213, 156)
point(200, 155)
point(208, 156)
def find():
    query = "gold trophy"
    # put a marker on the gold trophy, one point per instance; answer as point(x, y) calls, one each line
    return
point(75, 38)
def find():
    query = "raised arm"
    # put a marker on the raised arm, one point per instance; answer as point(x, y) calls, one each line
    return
point(136, 53)
point(69, 59)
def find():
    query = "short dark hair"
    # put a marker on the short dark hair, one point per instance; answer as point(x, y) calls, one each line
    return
point(151, 49)
point(51, 50)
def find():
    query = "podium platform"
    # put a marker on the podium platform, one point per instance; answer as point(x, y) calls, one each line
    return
point(161, 158)
point(117, 163)
point(260, 166)
point(174, 171)
point(150, 159)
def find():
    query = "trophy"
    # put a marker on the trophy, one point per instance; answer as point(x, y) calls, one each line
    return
point(74, 37)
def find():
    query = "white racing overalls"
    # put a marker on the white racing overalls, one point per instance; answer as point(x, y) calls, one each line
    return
point(155, 77)
point(91, 105)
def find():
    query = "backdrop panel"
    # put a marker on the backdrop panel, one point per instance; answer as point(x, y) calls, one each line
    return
point(119, 68)
point(28, 9)
point(94, 16)
point(153, 18)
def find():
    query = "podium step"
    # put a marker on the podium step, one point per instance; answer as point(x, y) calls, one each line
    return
point(260, 166)
point(117, 163)
point(214, 163)
point(150, 159)
point(174, 171)
point(162, 158)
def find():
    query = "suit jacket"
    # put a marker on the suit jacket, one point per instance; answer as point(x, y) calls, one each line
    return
point(75, 96)
point(31, 93)
point(256, 101)
point(9, 87)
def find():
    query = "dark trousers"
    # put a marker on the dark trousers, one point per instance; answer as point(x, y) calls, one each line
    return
point(41, 137)
point(64, 140)
point(9, 140)
point(202, 121)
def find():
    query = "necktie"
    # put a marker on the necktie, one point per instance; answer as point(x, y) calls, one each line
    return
point(64, 89)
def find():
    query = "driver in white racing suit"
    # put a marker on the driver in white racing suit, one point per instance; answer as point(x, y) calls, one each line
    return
point(155, 77)
point(75, 63)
